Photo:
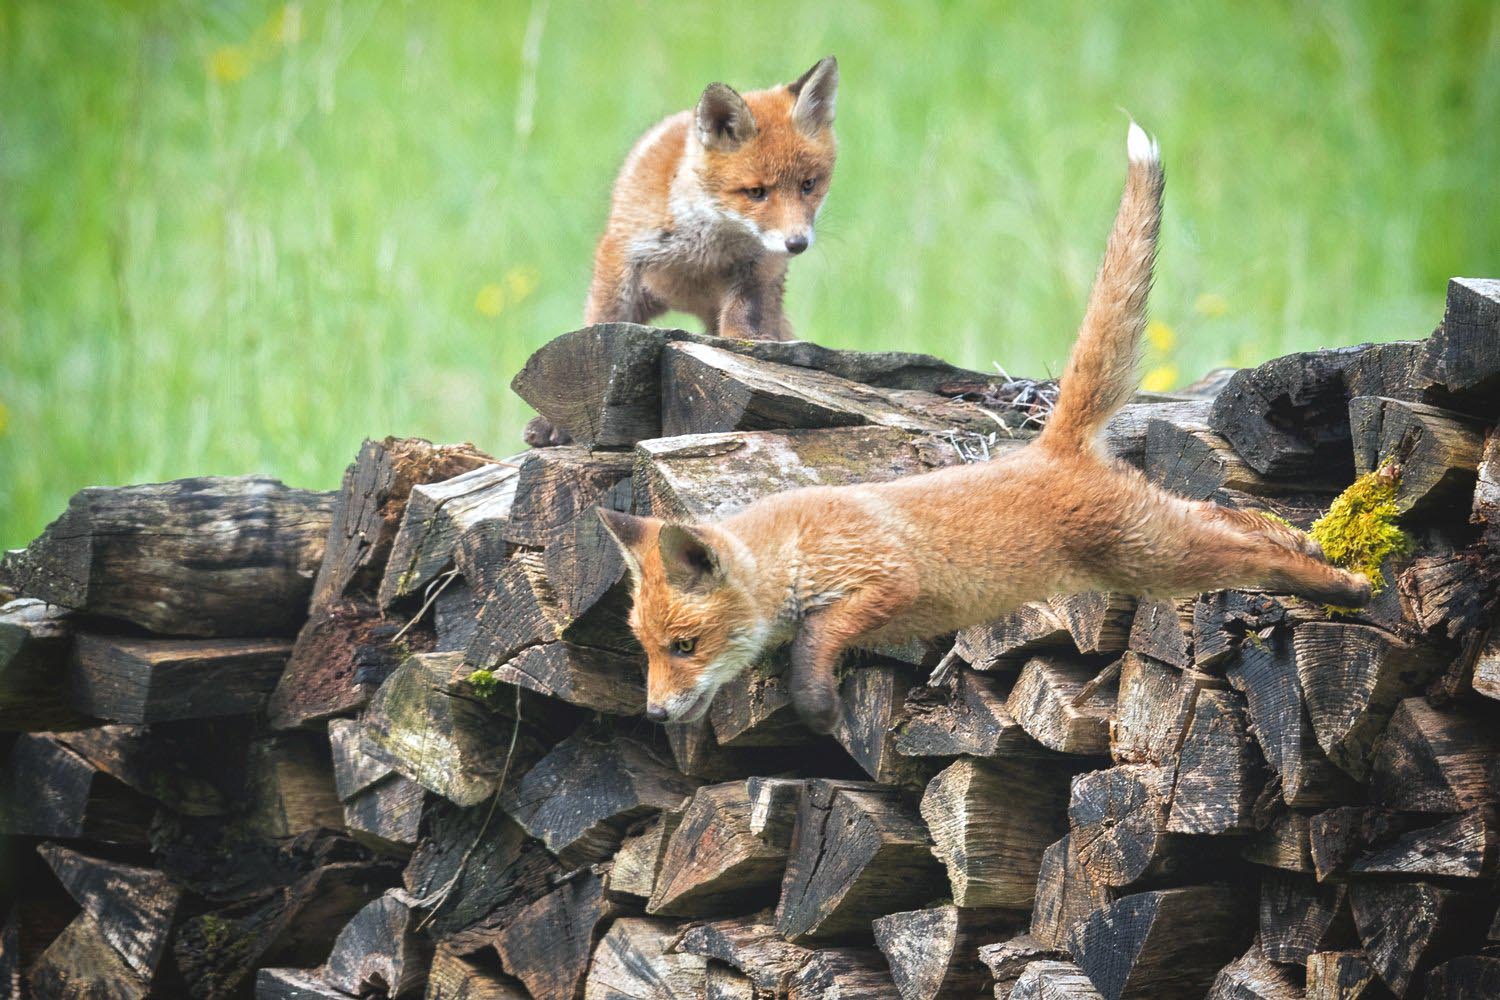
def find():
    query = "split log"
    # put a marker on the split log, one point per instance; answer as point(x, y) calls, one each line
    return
point(156, 680)
point(455, 978)
point(382, 809)
point(720, 982)
point(755, 707)
point(132, 908)
point(1389, 369)
point(1437, 450)
point(1119, 827)
point(1163, 630)
point(1125, 434)
point(548, 944)
point(1097, 621)
point(991, 822)
point(34, 644)
point(1066, 893)
point(1288, 418)
point(473, 871)
point(1007, 960)
point(192, 768)
point(1226, 620)
point(1339, 837)
point(1152, 710)
point(603, 383)
point(581, 797)
point(1463, 847)
point(844, 974)
point(51, 791)
point(1192, 461)
point(196, 557)
point(706, 477)
point(1463, 354)
point(1167, 943)
point(591, 678)
point(858, 852)
point(966, 718)
point(379, 951)
point(1266, 673)
point(437, 515)
point(1487, 666)
point(81, 963)
point(707, 390)
point(1252, 976)
point(290, 786)
point(1470, 977)
point(870, 713)
point(1284, 843)
point(1343, 975)
point(1408, 926)
point(1033, 628)
point(354, 770)
point(752, 946)
point(342, 653)
point(634, 961)
point(1299, 917)
point(1437, 760)
point(294, 984)
point(1051, 980)
point(637, 864)
point(1219, 771)
point(449, 742)
point(728, 852)
point(1046, 702)
point(935, 952)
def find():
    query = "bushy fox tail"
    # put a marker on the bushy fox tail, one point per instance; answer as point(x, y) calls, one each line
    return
point(1100, 377)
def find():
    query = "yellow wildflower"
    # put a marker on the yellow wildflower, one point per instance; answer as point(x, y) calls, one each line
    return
point(520, 282)
point(491, 300)
point(229, 64)
point(1160, 336)
point(1162, 378)
point(1211, 304)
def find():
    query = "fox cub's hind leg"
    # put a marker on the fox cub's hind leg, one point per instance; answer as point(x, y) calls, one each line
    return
point(1254, 523)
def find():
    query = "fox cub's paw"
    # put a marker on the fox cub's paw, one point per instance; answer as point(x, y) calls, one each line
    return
point(1352, 591)
point(818, 706)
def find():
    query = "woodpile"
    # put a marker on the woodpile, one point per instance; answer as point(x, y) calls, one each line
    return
point(388, 741)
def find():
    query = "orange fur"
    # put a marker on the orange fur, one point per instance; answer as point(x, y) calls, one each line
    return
point(832, 568)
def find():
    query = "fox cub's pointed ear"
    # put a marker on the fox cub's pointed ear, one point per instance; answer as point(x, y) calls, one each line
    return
point(629, 533)
point(816, 91)
point(724, 119)
point(689, 559)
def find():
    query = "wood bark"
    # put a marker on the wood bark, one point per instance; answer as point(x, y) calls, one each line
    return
point(857, 852)
point(1167, 943)
point(991, 821)
point(195, 557)
point(934, 952)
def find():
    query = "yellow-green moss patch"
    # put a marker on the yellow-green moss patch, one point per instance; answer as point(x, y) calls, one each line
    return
point(1360, 530)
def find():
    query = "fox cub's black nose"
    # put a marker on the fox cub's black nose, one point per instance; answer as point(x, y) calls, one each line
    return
point(796, 244)
point(656, 714)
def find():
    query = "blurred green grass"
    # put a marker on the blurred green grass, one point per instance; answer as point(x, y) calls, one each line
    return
point(242, 236)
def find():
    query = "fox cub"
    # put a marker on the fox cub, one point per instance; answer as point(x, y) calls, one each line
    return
point(832, 568)
point(708, 209)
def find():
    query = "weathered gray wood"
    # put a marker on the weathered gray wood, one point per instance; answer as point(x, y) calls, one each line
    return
point(1463, 354)
point(965, 718)
point(380, 950)
point(1437, 451)
point(603, 383)
point(289, 786)
point(1125, 434)
point(1052, 980)
point(991, 821)
point(1337, 838)
point(843, 974)
point(81, 963)
point(871, 700)
point(935, 952)
point(1163, 630)
point(1033, 628)
point(1007, 960)
point(1470, 977)
point(637, 864)
point(1119, 820)
point(453, 977)
point(1407, 926)
point(1046, 702)
point(581, 797)
point(436, 516)
point(1152, 710)
point(294, 984)
point(634, 961)
point(1219, 772)
point(1284, 843)
point(751, 945)
point(155, 680)
point(1486, 678)
point(1066, 893)
point(1437, 760)
point(1191, 460)
point(1298, 917)
point(1167, 943)
point(1464, 847)
point(549, 943)
point(707, 389)
point(1253, 976)
point(1343, 975)
point(858, 852)
point(49, 790)
point(720, 982)
point(202, 557)
point(34, 645)
point(133, 908)
point(727, 855)
point(1288, 417)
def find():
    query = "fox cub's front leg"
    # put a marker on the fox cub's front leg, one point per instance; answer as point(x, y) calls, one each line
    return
point(752, 308)
point(821, 640)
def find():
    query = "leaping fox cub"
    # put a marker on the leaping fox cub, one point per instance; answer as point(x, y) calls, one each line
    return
point(708, 209)
point(829, 568)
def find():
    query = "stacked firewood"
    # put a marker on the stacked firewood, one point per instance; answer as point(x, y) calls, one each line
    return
point(388, 741)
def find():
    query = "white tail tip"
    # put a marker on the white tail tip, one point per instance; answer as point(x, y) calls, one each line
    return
point(1140, 146)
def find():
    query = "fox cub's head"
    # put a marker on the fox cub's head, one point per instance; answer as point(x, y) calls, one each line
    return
point(768, 155)
point(692, 612)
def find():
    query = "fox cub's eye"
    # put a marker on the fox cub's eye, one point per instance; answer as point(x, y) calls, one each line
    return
point(809, 184)
point(756, 193)
point(683, 647)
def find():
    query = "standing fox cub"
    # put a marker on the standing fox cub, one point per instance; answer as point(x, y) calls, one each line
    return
point(708, 209)
point(829, 568)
